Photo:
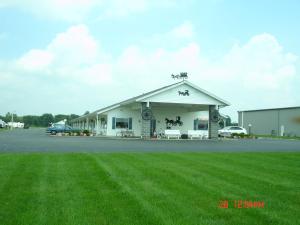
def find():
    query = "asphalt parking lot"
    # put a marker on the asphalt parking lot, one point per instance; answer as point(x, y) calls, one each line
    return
point(36, 140)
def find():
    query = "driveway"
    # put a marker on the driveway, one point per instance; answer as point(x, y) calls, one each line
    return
point(35, 140)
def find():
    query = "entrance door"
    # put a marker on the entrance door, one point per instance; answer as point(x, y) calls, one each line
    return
point(152, 127)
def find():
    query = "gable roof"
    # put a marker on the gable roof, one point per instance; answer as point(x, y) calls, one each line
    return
point(140, 98)
point(157, 91)
point(268, 109)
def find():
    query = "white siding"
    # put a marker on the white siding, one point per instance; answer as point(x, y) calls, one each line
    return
point(124, 112)
point(161, 113)
point(194, 97)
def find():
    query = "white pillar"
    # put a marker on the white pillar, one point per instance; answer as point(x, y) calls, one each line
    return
point(97, 124)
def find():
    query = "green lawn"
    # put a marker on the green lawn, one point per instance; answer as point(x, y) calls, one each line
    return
point(278, 137)
point(148, 188)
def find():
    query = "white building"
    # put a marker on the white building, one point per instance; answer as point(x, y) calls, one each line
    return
point(62, 122)
point(15, 124)
point(2, 124)
point(180, 106)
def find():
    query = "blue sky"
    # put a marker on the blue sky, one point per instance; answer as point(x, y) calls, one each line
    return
point(64, 56)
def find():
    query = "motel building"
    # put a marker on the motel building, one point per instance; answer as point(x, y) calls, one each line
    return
point(181, 107)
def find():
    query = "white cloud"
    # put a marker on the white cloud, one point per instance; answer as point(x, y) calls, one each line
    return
point(177, 37)
point(185, 30)
point(262, 62)
point(73, 54)
point(36, 60)
point(257, 74)
point(74, 73)
point(75, 46)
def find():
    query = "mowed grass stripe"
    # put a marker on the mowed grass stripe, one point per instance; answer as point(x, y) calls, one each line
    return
point(169, 192)
point(20, 191)
point(186, 193)
point(147, 216)
point(241, 189)
point(148, 188)
point(256, 178)
point(108, 196)
point(250, 185)
point(141, 184)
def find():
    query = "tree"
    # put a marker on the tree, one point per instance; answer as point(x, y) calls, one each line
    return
point(73, 116)
point(8, 117)
point(32, 120)
point(60, 117)
point(46, 119)
point(225, 121)
point(38, 121)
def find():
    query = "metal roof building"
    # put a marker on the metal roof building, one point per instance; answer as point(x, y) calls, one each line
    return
point(275, 121)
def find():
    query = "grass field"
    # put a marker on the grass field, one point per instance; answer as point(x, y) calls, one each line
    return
point(148, 188)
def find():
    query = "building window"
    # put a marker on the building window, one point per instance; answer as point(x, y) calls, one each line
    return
point(200, 124)
point(122, 123)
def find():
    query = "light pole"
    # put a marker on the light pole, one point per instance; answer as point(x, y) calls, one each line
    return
point(12, 120)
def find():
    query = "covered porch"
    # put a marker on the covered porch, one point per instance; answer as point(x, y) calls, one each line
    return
point(181, 106)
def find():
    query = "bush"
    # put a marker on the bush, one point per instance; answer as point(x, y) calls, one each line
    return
point(234, 135)
point(86, 132)
point(184, 136)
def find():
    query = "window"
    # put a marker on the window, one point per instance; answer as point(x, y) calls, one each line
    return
point(59, 125)
point(235, 128)
point(121, 123)
point(200, 124)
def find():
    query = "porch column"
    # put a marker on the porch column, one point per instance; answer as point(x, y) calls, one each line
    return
point(97, 124)
point(146, 124)
point(213, 124)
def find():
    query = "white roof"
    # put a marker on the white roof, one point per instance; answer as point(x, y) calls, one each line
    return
point(147, 97)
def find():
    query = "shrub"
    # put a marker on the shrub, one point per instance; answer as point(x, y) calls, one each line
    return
point(184, 136)
point(86, 132)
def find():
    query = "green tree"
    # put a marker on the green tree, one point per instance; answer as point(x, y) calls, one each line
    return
point(8, 117)
point(60, 117)
point(73, 116)
point(46, 119)
point(32, 120)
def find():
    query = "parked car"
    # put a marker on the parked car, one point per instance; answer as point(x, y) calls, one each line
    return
point(231, 130)
point(2, 124)
point(59, 128)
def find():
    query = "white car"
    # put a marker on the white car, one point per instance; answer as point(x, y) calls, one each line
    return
point(230, 131)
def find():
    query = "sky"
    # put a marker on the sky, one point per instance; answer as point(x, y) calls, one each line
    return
point(70, 56)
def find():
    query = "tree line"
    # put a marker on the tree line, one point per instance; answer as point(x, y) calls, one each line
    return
point(38, 121)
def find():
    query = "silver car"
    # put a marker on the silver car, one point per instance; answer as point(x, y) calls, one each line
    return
point(231, 130)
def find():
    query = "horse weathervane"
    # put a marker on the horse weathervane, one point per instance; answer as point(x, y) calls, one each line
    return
point(182, 75)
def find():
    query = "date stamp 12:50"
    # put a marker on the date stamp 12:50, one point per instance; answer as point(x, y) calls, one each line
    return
point(240, 204)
